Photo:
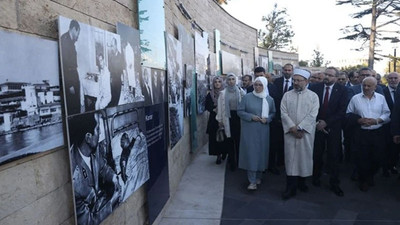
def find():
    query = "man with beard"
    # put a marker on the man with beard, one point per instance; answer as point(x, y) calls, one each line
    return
point(333, 100)
point(299, 110)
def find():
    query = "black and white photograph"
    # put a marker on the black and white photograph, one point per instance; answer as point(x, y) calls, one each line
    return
point(109, 160)
point(202, 51)
point(131, 51)
point(247, 65)
point(152, 28)
point(146, 86)
point(159, 88)
point(231, 63)
point(94, 69)
point(188, 63)
point(263, 61)
point(30, 100)
point(175, 81)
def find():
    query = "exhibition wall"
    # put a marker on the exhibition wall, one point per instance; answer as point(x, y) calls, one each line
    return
point(36, 185)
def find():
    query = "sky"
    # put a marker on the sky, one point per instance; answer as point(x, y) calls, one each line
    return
point(316, 25)
point(28, 59)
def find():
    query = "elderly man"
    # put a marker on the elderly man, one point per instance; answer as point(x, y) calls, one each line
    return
point(333, 100)
point(392, 149)
point(369, 111)
point(299, 110)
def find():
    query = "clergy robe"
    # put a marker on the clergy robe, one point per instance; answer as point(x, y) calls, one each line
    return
point(299, 109)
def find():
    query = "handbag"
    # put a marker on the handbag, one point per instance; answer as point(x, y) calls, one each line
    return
point(220, 135)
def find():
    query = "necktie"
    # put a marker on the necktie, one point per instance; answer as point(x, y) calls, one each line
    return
point(325, 103)
point(392, 95)
point(286, 86)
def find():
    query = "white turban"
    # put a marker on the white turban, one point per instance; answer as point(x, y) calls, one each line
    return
point(301, 72)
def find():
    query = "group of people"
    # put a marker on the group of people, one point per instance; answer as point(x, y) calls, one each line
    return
point(298, 118)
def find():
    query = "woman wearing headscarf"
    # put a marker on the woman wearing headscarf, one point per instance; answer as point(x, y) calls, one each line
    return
point(228, 102)
point(256, 111)
point(214, 147)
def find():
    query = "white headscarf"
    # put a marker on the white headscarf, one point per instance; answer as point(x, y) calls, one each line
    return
point(263, 95)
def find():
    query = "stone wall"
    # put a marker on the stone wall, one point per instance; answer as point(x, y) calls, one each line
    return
point(37, 189)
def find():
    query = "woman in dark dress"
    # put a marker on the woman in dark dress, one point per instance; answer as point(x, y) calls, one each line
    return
point(214, 147)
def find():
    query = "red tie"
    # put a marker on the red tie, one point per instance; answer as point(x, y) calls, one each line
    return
point(286, 86)
point(325, 103)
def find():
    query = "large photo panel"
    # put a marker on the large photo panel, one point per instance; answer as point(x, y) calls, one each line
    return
point(175, 81)
point(94, 68)
point(201, 50)
point(30, 100)
point(109, 159)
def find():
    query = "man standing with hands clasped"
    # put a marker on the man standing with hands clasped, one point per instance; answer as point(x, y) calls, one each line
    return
point(299, 109)
point(333, 100)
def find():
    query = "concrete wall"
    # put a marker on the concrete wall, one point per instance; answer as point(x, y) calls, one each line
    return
point(37, 189)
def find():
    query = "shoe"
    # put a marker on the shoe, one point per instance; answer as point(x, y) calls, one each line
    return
point(252, 187)
point(385, 173)
point(393, 170)
point(218, 160)
point(223, 156)
point(363, 186)
point(303, 188)
point(316, 182)
point(274, 170)
point(288, 194)
point(337, 190)
point(258, 181)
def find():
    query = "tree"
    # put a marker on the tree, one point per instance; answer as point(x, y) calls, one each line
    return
point(278, 34)
point(382, 13)
point(303, 63)
point(318, 59)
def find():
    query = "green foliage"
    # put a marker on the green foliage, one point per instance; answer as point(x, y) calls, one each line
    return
point(353, 67)
point(381, 13)
point(318, 59)
point(303, 63)
point(278, 33)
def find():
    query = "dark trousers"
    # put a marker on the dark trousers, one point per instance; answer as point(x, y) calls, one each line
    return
point(370, 153)
point(276, 151)
point(330, 142)
point(391, 150)
point(234, 123)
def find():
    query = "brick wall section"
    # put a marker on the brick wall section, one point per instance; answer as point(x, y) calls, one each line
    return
point(37, 189)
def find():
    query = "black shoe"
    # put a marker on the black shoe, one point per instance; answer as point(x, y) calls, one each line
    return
point(274, 170)
point(223, 156)
point(303, 188)
point(336, 189)
point(363, 186)
point(218, 160)
point(385, 173)
point(316, 182)
point(393, 170)
point(288, 194)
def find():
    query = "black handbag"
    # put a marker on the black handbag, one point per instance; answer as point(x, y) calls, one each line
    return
point(220, 135)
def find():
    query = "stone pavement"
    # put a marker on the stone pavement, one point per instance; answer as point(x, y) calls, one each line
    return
point(207, 195)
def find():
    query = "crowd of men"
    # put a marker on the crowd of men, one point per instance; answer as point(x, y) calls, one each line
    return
point(358, 122)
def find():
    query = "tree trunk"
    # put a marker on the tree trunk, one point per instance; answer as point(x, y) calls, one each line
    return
point(371, 54)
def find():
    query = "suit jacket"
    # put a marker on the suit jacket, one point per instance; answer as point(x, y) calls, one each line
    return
point(278, 89)
point(356, 89)
point(337, 104)
point(388, 97)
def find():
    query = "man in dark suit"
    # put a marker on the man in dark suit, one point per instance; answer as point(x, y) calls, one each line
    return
point(70, 69)
point(281, 85)
point(247, 84)
point(333, 103)
point(362, 74)
point(392, 149)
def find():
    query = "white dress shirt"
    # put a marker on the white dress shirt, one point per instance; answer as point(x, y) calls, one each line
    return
point(374, 108)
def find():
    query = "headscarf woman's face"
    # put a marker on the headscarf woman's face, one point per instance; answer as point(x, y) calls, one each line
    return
point(258, 86)
point(231, 81)
point(217, 83)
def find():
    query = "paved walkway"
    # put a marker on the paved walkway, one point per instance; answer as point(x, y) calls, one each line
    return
point(199, 197)
point(207, 195)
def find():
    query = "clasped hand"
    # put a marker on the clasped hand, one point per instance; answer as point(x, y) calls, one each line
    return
point(367, 122)
point(259, 119)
